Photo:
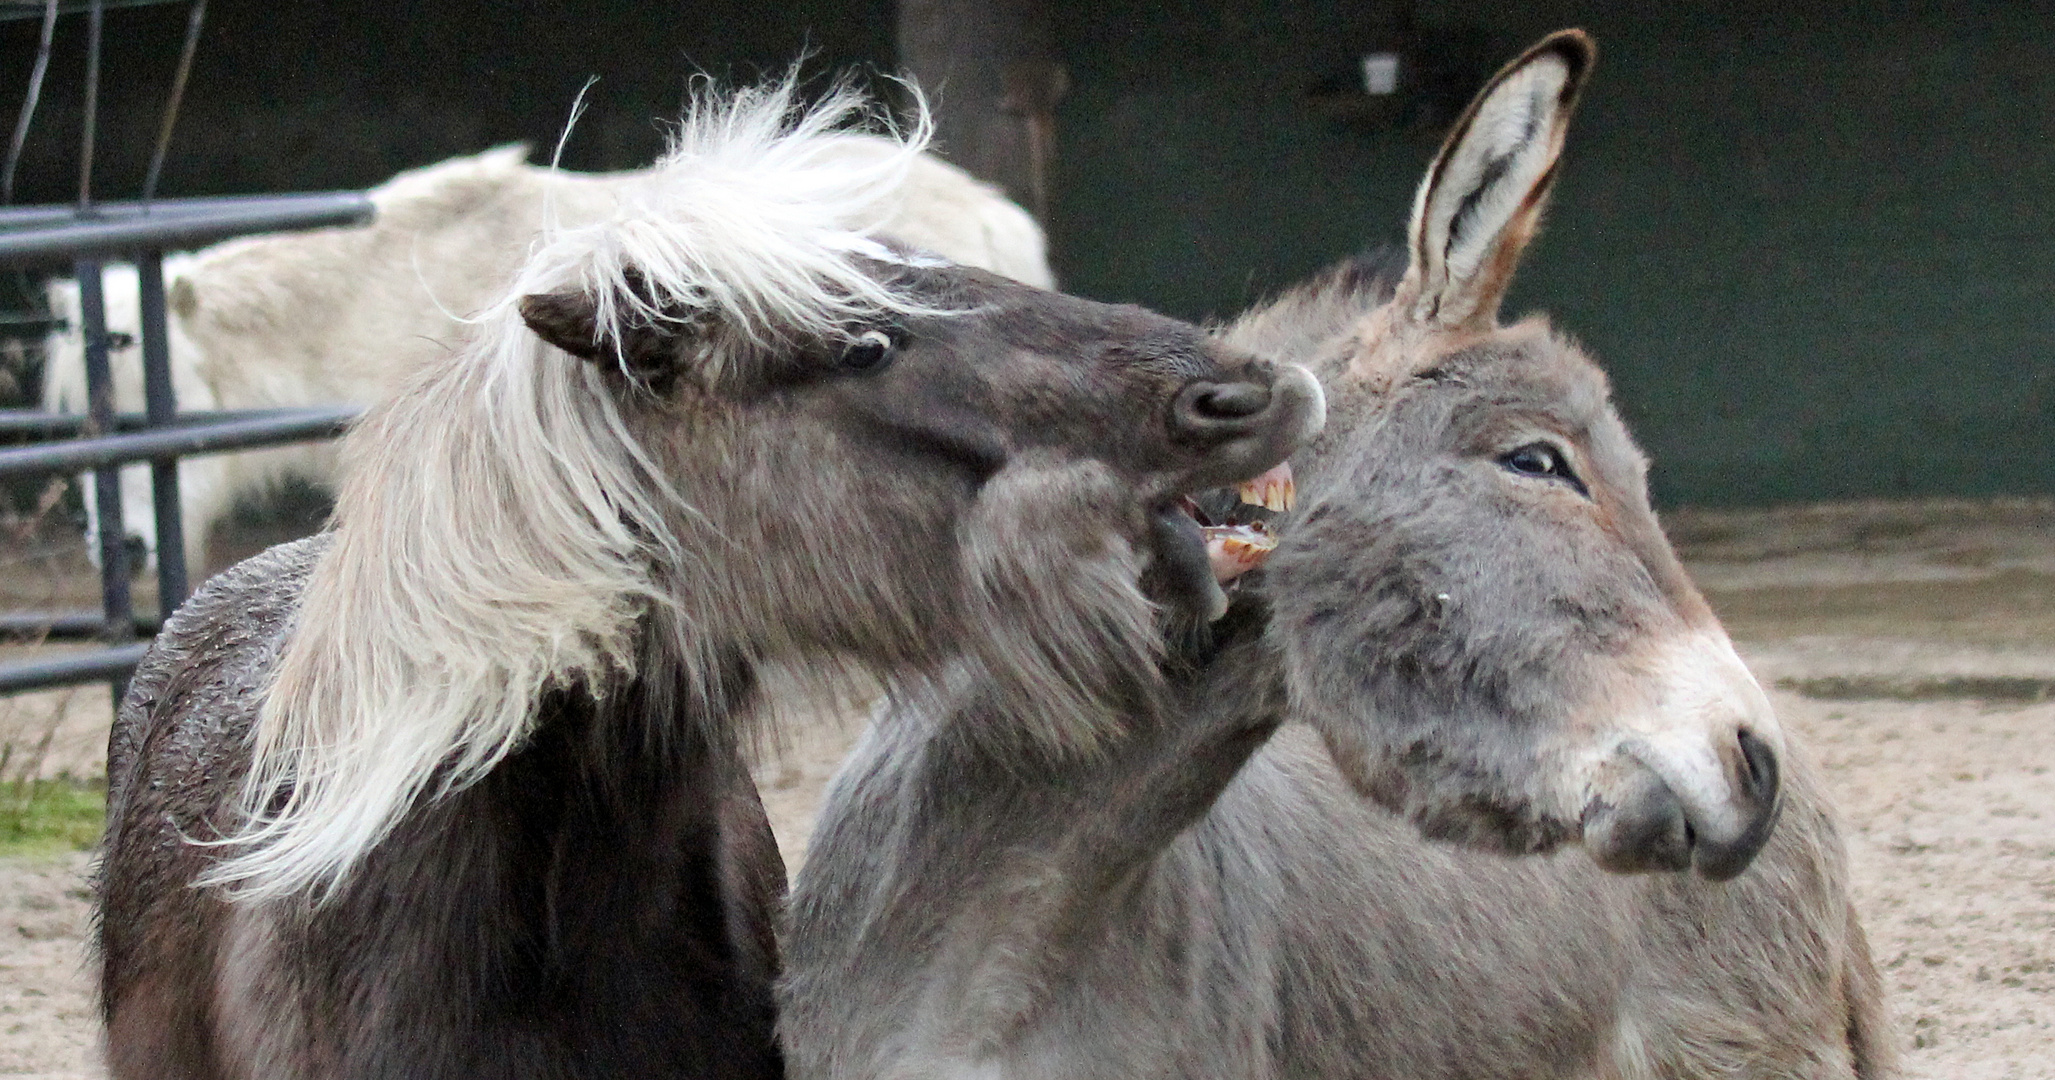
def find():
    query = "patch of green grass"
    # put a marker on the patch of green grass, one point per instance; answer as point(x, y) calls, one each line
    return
point(40, 817)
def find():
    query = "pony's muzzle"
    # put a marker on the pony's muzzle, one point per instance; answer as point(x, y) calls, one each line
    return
point(1247, 425)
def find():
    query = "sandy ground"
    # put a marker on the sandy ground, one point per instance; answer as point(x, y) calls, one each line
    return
point(1912, 647)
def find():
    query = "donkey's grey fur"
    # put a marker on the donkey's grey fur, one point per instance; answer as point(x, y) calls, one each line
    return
point(1212, 895)
point(1169, 911)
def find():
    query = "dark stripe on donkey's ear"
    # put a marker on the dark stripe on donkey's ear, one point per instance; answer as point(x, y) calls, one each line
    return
point(1577, 51)
point(1466, 209)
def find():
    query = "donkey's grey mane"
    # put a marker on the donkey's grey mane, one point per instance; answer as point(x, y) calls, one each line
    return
point(1316, 315)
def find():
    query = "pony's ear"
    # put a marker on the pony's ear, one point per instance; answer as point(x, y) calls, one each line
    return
point(569, 320)
point(1483, 196)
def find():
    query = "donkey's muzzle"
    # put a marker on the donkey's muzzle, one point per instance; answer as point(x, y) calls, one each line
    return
point(1644, 822)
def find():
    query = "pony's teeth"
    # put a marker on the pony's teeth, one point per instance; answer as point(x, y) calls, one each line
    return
point(1274, 490)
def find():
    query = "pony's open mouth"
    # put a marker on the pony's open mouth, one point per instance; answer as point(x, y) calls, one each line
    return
point(1203, 552)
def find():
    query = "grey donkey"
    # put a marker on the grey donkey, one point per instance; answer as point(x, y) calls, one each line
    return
point(1473, 628)
point(456, 788)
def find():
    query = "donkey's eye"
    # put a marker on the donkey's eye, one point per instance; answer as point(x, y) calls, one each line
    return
point(1542, 461)
point(871, 351)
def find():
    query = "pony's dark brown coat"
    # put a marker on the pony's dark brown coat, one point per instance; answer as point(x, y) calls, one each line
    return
point(602, 897)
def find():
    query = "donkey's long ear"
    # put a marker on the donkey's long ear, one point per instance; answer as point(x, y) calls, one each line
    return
point(1482, 198)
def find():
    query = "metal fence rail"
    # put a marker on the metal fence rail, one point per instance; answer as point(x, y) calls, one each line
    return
point(37, 424)
point(43, 236)
point(268, 428)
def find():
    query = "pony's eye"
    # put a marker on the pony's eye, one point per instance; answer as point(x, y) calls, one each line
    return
point(1542, 461)
point(871, 350)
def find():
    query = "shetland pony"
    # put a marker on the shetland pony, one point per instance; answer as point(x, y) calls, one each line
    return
point(456, 788)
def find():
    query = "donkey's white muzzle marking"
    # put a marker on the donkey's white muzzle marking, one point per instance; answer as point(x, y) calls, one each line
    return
point(1693, 779)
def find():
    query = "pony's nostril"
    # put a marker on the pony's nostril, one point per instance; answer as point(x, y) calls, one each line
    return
point(1232, 401)
point(1220, 410)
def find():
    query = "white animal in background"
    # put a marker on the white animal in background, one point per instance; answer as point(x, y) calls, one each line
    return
point(342, 315)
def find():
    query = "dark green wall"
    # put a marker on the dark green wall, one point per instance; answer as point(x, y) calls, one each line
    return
point(300, 94)
point(1812, 242)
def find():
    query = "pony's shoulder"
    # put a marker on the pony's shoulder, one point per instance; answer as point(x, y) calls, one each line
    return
point(195, 693)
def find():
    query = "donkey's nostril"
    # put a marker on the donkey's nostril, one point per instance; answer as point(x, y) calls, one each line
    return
point(1753, 811)
point(1758, 767)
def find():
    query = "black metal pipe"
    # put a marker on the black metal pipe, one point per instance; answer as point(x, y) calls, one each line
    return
point(62, 625)
point(161, 406)
point(14, 12)
point(115, 600)
point(285, 426)
point(105, 665)
point(18, 217)
point(115, 235)
point(35, 422)
point(89, 125)
point(28, 103)
point(174, 99)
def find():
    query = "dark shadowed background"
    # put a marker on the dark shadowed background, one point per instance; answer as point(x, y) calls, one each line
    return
point(1811, 241)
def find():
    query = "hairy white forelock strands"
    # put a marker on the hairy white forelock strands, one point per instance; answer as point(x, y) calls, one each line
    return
point(498, 532)
point(751, 223)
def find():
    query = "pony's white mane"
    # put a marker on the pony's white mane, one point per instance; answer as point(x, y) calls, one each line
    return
point(498, 532)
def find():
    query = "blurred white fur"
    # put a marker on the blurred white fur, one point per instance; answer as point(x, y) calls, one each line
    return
point(343, 315)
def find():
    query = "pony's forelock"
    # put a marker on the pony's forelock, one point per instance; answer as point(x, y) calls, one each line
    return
point(752, 226)
point(499, 532)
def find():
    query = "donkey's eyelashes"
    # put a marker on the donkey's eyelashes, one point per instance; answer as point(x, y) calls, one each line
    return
point(1543, 461)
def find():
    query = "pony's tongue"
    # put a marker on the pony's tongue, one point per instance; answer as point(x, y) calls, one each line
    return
point(1234, 550)
point(1184, 550)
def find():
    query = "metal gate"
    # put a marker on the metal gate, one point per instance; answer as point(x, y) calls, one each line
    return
point(82, 237)
point(103, 440)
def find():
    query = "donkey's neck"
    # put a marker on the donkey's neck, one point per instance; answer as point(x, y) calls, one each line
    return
point(958, 875)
